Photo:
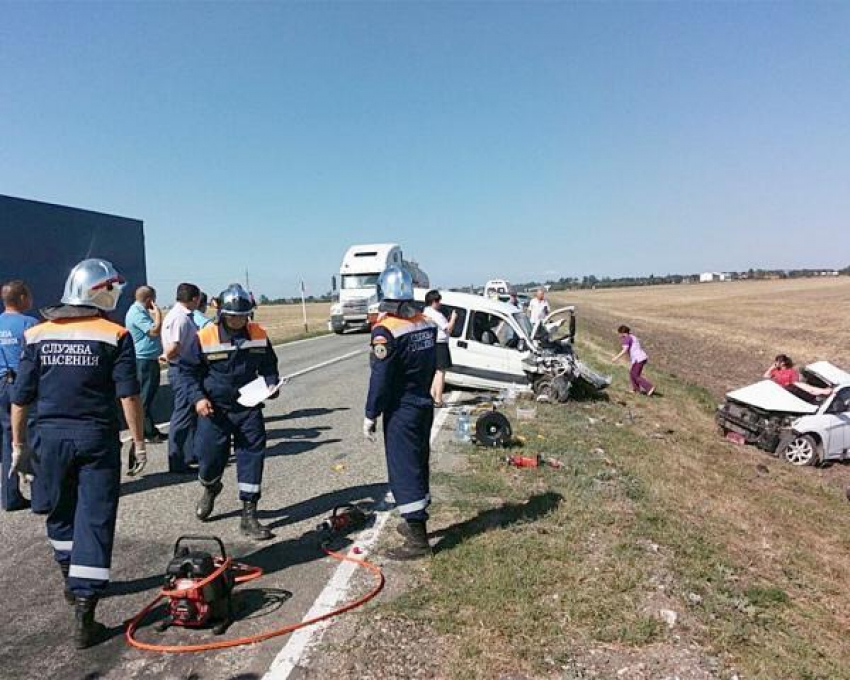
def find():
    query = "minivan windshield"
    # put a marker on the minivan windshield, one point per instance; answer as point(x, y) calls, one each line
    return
point(350, 281)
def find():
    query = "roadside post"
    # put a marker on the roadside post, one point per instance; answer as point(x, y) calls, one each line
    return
point(304, 306)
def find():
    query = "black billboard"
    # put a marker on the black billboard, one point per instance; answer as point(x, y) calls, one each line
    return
point(41, 242)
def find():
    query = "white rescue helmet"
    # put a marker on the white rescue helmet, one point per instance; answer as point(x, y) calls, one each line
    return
point(235, 301)
point(395, 283)
point(94, 283)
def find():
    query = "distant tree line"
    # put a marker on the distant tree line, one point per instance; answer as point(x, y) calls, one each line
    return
point(265, 300)
point(592, 281)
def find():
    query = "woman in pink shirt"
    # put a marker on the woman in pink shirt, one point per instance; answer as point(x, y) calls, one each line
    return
point(637, 359)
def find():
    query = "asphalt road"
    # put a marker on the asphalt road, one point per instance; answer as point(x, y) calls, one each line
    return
point(316, 459)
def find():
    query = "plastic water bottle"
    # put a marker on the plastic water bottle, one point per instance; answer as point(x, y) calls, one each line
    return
point(463, 433)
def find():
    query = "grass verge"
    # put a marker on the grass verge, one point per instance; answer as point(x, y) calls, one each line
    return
point(656, 546)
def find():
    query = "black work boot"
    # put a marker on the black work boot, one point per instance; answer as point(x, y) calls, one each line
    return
point(415, 542)
point(87, 631)
point(250, 526)
point(206, 504)
point(69, 596)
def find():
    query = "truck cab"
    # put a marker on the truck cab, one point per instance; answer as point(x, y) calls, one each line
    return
point(361, 267)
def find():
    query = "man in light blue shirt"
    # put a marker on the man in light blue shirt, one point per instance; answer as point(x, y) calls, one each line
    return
point(144, 321)
point(199, 315)
point(17, 299)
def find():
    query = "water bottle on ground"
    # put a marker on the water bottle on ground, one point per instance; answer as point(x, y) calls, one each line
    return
point(463, 431)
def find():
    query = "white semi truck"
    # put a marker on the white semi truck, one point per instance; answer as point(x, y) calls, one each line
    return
point(358, 283)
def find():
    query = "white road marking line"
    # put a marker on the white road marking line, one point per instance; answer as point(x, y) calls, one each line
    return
point(125, 437)
point(333, 593)
point(336, 590)
point(335, 360)
point(282, 344)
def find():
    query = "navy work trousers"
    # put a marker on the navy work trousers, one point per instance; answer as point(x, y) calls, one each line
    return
point(181, 431)
point(11, 497)
point(407, 439)
point(82, 476)
point(247, 430)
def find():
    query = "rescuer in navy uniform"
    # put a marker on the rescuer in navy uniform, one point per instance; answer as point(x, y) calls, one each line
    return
point(229, 354)
point(74, 366)
point(403, 362)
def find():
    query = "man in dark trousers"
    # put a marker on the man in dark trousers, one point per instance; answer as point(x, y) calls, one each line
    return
point(74, 367)
point(229, 354)
point(403, 362)
point(14, 322)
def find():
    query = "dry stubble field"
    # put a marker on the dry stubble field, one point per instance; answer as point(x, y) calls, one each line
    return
point(286, 322)
point(724, 335)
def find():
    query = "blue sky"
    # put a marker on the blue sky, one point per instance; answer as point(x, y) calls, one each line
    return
point(519, 140)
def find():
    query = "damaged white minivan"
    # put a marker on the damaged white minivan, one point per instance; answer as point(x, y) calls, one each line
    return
point(790, 422)
point(494, 346)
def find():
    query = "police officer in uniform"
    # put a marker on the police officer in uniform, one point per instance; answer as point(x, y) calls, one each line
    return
point(74, 367)
point(230, 353)
point(403, 362)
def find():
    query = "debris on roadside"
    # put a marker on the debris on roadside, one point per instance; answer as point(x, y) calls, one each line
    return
point(533, 461)
point(669, 617)
point(695, 599)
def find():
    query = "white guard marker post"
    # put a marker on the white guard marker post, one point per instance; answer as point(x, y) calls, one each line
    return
point(304, 306)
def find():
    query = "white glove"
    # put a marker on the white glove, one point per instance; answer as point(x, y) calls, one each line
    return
point(369, 430)
point(22, 463)
point(138, 458)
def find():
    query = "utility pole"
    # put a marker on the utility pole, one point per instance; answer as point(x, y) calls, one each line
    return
point(247, 280)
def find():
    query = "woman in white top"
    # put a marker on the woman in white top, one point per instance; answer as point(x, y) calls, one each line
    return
point(444, 330)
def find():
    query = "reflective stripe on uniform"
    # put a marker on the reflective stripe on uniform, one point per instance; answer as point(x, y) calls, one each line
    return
point(399, 327)
point(249, 488)
point(93, 573)
point(211, 349)
point(79, 334)
point(248, 344)
point(414, 506)
point(62, 545)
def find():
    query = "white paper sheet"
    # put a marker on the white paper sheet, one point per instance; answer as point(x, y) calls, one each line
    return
point(256, 392)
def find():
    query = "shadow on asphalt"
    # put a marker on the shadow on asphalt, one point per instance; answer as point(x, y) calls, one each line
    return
point(157, 480)
point(305, 413)
point(279, 555)
point(295, 441)
point(297, 432)
point(295, 447)
point(366, 496)
point(497, 518)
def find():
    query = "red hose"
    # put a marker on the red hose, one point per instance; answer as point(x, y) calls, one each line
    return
point(249, 574)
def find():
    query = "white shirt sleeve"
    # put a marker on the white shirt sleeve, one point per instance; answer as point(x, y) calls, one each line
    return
point(172, 329)
point(438, 318)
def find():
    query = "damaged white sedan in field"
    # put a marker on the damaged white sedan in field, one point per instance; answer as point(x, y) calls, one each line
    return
point(790, 422)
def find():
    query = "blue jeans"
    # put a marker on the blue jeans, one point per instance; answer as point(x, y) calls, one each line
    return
point(181, 432)
point(148, 371)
